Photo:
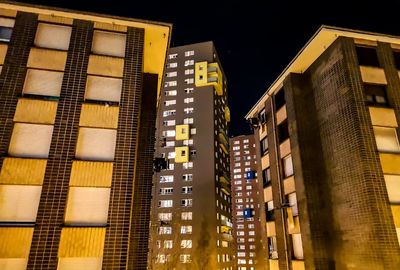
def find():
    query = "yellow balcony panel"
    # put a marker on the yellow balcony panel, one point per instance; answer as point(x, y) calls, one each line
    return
point(226, 191)
point(227, 114)
point(298, 265)
point(224, 148)
point(225, 229)
point(91, 174)
point(94, 115)
point(273, 265)
point(227, 237)
point(3, 52)
point(21, 171)
point(35, 111)
point(15, 242)
point(181, 154)
point(47, 59)
point(271, 229)
point(222, 138)
point(106, 66)
point(201, 74)
point(82, 242)
point(373, 75)
point(396, 215)
point(390, 163)
point(182, 132)
point(382, 117)
point(224, 179)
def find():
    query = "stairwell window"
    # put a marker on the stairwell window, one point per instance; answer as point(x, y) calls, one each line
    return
point(375, 95)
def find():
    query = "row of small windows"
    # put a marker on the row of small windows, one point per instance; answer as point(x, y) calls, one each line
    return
point(168, 244)
point(188, 90)
point(175, 55)
point(170, 190)
point(168, 216)
point(187, 63)
point(169, 203)
point(164, 258)
point(185, 229)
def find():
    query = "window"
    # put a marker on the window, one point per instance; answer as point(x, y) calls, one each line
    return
point(188, 110)
point(272, 248)
point(186, 229)
point(168, 244)
point(187, 142)
point(162, 258)
point(169, 112)
point(170, 83)
point(166, 178)
point(189, 81)
point(188, 100)
point(169, 144)
point(168, 133)
point(287, 166)
point(186, 215)
point(386, 139)
point(187, 121)
point(172, 56)
point(165, 216)
point(192, 131)
point(169, 123)
point(5, 33)
point(292, 199)
point(262, 117)
point(165, 203)
point(187, 177)
point(189, 90)
point(297, 246)
point(367, 56)
point(189, 63)
point(189, 53)
point(53, 36)
point(189, 71)
point(185, 258)
point(109, 43)
point(87, 205)
point(172, 65)
point(187, 202)
point(166, 191)
point(279, 99)
point(170, 102)
point(283, 131)
point(375, 94)
point(236, 148)
point(396, 56)
point(264, 146)
point(170, 93)
point(171, 74)
point(165, 230)
point(187, 189)
point(266, 174)
point(186, 243)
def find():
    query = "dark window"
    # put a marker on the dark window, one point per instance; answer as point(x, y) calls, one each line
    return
point(264, 146)
point(280, 99)
point(262, 117)
point(269, 214)
point(266, 174)
point(375, 94)
point(5, 34)
point(367, 56)
point(396, 56)
point(283, 131)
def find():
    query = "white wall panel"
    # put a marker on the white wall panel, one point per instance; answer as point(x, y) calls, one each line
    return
point(41, 82)
point(386, 139)
point(103, 88)
point(109, 43)
point(53, 36)
point(96, 144)
point(393, 187)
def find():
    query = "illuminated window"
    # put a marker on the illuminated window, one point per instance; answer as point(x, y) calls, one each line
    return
point(186, 243)
point(186, 215)
point(168, 244)
point(165, 216)
point(165, 230)
point(185, 258)
point(186, 202)
point(165, 203)
point(6, 26)
point(287, 166)
point(187, 229)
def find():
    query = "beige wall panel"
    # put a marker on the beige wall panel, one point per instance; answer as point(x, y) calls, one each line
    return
point(267, 194)
point(22, 171)
point(96, 144)
point(42, 82)
point(6, 22)
point(265, 162)
point(94, 115)
point(396, 215)
point(393, 187)
point(35, 111)
point(106, 66)
point(298, 265)
point(76, 263)
point(53, 36)
point(262, 132)
point(373, 75)
point(19, 203)
point(103, 88)
point(82, 242)
point(13, 263)
point(111, 27)
point(29, 140)
point(271, 229)
point(390, 163)
point(91, 174)
point(273, 265)
point(285, 148)
point(108, 43)
point(55, 19)
point(15, 242)
point(297, 246)
point(288, 185)
point(398, 234)
point(3, 52)
point(47, 59)
point(382, 117)
point(386, 139)
point(8, 12)
point(281, 115)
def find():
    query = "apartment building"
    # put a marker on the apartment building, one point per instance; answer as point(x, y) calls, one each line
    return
point(247, 196)
point(78, 94)
point(191, 212)
point(327, 134)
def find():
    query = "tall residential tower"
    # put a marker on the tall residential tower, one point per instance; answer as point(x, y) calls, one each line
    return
point(191, 213)
point(328, 133)
point(78, 94)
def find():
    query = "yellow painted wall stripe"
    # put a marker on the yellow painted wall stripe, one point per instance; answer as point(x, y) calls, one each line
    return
point(91, 174)
point(35, 111)
point(21, 171)
point(101, 116)
point(15, 242)
point(82, 242)
point(390, 163)
point(47, 59)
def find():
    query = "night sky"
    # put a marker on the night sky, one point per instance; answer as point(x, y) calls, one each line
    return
point(255, 40)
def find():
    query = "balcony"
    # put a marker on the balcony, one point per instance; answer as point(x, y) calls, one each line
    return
point(227, 237)
point(209, 74)
point(223, 142)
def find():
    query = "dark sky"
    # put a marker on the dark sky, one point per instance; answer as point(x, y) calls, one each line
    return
point(255, 39)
